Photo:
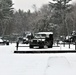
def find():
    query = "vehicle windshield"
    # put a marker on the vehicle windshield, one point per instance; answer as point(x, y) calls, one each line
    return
point(40, 35)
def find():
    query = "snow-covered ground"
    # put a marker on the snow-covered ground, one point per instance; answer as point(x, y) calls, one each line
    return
point(55, 47)
point(36, 64)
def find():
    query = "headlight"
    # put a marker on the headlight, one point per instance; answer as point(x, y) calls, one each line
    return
point(43, 39)
point(26, 39)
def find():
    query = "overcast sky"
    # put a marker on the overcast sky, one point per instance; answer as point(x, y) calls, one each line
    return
point(27, 4)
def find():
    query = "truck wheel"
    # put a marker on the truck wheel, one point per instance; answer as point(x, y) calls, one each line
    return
point(50, 46)
point(41, 47)
point(7, 43)
point(27, 42)
point(47, 44)
point(31, 46)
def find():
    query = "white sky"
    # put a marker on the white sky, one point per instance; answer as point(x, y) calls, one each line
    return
point(27, 4)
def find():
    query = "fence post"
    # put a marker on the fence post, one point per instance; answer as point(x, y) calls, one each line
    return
point(75, 44)
point(69, 43)
point(57, 42)
point(64, 44)
point(17, 44)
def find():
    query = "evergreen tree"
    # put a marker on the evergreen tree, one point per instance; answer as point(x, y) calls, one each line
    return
point(6, 12)
point(5, 9)
point(60, 9)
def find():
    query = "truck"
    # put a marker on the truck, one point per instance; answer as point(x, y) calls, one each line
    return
point(42, 39)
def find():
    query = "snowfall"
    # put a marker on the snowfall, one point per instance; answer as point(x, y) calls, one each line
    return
point(36, 64)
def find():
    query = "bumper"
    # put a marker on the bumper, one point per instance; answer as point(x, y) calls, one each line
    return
point(37, 44)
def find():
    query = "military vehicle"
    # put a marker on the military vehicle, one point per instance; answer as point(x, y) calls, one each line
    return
point(42, 39)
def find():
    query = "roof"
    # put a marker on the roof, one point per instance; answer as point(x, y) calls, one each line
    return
point(45, 33)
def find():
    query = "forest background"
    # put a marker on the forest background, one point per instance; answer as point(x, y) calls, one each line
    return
point(58, 16)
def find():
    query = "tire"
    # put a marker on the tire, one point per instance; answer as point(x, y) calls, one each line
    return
point(31, 46)
point(7, 43)
point(41, 46)
point(47, 44)
point(27, 42)
point(50, 46)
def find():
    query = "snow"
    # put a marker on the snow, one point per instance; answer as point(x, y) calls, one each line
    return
point(45, 33)
point(59, 66)
point(1, 40)
point(55, 48)
point(36, 64)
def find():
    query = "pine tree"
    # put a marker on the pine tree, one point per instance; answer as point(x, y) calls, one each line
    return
point(60, 9)
point(6, 12)
point(5, 8)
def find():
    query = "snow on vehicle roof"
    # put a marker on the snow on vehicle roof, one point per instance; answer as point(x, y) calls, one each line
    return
point(44, 33)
